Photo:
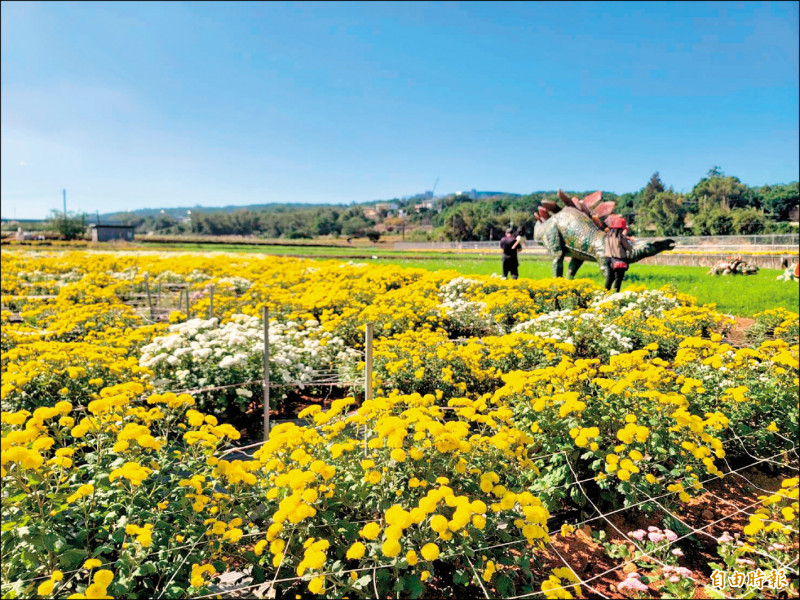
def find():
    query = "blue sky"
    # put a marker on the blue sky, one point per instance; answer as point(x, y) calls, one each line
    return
point(133, 105)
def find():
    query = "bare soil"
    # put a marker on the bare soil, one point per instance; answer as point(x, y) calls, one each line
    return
point(738, 334)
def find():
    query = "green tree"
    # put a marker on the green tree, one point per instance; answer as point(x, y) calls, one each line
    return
point(664, 214)
point(626, 206)
point(716, 190)
point(713, 221)
point(778, 200)
point(355, 225)
point(656, 209)
point(748, 221)
point(69, 226)
point(325, 224)
point(458, 226)
point(654, 187)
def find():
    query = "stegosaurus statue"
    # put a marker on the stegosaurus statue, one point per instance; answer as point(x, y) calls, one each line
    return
point(578, 229)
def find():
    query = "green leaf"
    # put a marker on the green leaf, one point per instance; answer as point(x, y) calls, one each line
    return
point(577, 496)
point(174, 591)
point(103, 550)
point(713, 592)
point(30, 559)
point(53, 542)
point(147, 568)
point(38, 542)
point(414, 586)
point(461, 578)
point(504, 586)
point(71, 558)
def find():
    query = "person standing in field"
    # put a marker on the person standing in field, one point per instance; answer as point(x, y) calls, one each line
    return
point(511, 247)
point(616, 250)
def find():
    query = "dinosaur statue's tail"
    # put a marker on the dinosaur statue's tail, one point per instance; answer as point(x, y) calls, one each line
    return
point(599, 212)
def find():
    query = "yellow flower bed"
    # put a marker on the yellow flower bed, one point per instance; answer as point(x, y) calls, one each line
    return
point(493, 398)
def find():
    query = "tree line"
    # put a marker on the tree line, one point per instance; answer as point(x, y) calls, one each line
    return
point(718, 204)
point(302, 223)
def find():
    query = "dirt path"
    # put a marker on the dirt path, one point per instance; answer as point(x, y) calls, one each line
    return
point(738, 335)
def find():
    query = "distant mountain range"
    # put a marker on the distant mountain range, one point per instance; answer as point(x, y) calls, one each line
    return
point(180, 211)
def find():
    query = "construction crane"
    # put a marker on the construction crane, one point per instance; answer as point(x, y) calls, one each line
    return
point(434, 187)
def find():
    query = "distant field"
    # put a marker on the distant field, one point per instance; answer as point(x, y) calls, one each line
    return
point(741, 296)
point(286, 250)
point(737, 295)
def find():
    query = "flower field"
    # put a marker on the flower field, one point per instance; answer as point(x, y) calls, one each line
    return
point(515, 426)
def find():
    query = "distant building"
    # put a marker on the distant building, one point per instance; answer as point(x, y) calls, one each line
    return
point(107, 232)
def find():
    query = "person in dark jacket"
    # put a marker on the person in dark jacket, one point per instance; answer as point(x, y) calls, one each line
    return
point(616, 251)
point(510, 247)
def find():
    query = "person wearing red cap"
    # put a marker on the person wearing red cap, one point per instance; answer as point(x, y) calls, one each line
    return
point(617, 246)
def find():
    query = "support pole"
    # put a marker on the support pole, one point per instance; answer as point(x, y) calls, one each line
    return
point(149, 299)
point(368, 361)
point(265, 313)
point(158, 294)
point(211, 302)
point(367, 372)
point(188, 314)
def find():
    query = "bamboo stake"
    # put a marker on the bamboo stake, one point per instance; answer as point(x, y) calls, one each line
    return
point(367, 372)
point(149, 299)
point(265, 313)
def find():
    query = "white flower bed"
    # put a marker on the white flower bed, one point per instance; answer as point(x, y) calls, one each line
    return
point(592, 330)
point(203, 352)
point(465, 317)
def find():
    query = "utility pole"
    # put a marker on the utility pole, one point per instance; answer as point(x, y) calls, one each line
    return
point(65, 202)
